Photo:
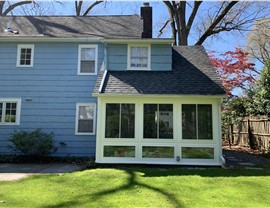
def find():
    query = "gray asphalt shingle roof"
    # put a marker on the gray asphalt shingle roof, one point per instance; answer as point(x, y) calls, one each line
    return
point(192, 74)
point(121, 26)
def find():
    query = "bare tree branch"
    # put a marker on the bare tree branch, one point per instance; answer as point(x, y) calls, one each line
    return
point(193, 15)
point(91, 7)
point(210, 29)
point(13, 6)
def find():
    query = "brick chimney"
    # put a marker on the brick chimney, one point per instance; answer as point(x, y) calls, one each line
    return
point(146, 15)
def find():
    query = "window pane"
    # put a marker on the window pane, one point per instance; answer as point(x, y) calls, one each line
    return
point(25, 58)
point(119, 151)
point(150, 121)
point(139, 56)
point(189, 122)
point(198, 152)
point(158, 152)
point(86, 119)
point(205, 122)
point(86, 112)
point(127, 120)
point(85, 126)
point(87, 66)
point(112, 120)
point(165, 121)
point(10, 113)
point(88, 54)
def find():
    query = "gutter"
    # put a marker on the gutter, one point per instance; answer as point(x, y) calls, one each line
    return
point(48, 39)
point(151, 95)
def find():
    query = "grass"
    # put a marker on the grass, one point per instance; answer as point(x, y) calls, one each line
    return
point(141, 187)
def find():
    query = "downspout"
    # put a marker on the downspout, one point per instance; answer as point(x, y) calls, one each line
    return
point(105, 69)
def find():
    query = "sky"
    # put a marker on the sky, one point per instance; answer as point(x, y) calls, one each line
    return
point(160, 15)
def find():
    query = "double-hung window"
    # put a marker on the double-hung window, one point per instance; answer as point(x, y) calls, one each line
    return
point(25, 55)
point(10, 111)
point(85, 119)
point(197, 121)
point(87, 60)
point(139, 57)
point(120, 120)
point(158, 121)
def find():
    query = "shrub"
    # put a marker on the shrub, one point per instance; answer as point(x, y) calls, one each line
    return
point(35, 143)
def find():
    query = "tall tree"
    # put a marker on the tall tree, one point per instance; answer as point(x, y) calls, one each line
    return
point(234, 69)
point(79, 7)
point(217, 17)
point(259, 40)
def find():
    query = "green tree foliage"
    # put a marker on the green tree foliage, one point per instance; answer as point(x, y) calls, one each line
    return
point(259, 96)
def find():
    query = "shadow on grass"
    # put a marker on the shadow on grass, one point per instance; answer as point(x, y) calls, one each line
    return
point(132, 182)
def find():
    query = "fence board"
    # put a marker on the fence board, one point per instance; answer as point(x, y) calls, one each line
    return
point(251, 131)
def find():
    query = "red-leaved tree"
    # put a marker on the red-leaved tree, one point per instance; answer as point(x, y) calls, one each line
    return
point(234, 69)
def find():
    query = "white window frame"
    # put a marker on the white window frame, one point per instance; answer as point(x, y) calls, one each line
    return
point(79, 59)
point(78, 105)
point(18, 101)
point(148, 61)
point(21, 46)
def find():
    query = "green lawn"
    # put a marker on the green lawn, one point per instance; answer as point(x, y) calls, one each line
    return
point(141, 187)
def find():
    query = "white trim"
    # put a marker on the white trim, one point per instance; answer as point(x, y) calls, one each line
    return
point(148, 60)
point(79, 58)
point(27, 46)
point(77, 119)
point(18, 101)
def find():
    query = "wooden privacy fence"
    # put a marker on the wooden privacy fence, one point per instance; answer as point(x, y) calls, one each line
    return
point(251, 131)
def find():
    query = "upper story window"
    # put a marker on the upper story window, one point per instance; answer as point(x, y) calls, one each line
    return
point(87, 61)
point(139, 57)
point(10, 111)
point(25, 55)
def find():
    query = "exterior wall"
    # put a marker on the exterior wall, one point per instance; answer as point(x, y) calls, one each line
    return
point(161, 57)
point(49, 92)
point(177, 142)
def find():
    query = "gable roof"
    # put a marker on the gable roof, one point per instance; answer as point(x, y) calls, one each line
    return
point(118, 26)
point(192, 74)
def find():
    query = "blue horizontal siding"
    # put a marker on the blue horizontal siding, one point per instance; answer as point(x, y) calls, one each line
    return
point(117, 57)
point(49, 91)
point(161, 57)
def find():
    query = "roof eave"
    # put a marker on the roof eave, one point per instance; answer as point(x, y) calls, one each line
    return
point(139, 40)
point(157, 95)
point(49, 39)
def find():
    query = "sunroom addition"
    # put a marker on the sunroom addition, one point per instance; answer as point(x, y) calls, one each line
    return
point(182, 131)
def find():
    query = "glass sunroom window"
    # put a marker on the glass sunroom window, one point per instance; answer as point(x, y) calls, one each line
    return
point(197, 121)
point(158, 121)
point(120, 121)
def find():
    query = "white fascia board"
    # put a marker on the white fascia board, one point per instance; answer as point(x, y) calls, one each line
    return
point(140, 40)
point(157, 95)
point(49, 39)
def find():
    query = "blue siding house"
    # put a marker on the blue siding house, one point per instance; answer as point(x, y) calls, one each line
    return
point(106, 88)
